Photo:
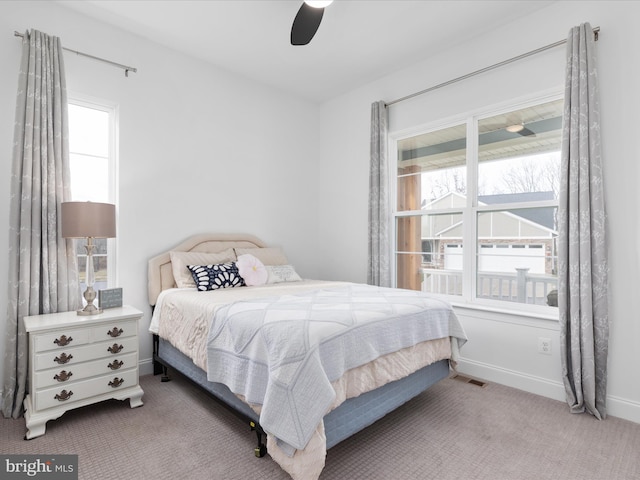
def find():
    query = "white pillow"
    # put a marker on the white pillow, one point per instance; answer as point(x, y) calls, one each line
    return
point(251, 270)
point(180, 260)
point(268, 255)
point(282, 273)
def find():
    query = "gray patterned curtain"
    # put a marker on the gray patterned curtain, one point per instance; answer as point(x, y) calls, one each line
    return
point(582, 249)
point(379, 270)
point(43, 273)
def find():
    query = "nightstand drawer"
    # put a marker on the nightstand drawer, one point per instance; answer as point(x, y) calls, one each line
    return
point(63, 339)
point(54, 397)
point(82, 336)
point(73, 356)
point(115, 331)
point(67, 375)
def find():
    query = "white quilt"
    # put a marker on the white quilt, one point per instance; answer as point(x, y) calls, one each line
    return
point(283, 352)
point(182, 315)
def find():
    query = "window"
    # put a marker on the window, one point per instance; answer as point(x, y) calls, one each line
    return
point(92, 147)
point(476, 204)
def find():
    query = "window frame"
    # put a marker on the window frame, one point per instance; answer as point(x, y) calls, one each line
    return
point(112, 109)
point(470, 211)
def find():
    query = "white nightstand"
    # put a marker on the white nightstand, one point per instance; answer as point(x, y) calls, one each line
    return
point(76, 360)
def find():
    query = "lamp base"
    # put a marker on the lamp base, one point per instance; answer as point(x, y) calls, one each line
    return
point(90, 309)
point(89, 295)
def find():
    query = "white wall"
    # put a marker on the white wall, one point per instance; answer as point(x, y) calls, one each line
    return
point(189, 136)
point(504, 348)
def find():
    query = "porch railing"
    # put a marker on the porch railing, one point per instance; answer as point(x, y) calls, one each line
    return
point(520, 286)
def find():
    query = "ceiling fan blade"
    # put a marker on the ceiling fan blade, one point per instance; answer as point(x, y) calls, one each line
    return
point(306, 24)
point(525, 132)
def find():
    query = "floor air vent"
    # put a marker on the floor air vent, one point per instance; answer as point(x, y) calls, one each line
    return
point(470, 380)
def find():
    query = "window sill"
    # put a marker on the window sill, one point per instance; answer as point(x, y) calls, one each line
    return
point(510, 315)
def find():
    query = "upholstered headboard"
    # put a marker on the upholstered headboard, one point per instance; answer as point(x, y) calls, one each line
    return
point(161, 273)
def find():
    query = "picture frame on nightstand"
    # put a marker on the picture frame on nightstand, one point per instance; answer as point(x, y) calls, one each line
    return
point(110, 298)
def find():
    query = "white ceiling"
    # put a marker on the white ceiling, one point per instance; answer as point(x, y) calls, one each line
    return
point(358, 40)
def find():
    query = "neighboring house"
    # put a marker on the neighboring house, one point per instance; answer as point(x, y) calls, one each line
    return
point(511, 241)
point(527, 236)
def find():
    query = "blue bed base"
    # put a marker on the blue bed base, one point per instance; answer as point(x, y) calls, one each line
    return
point(350, 417)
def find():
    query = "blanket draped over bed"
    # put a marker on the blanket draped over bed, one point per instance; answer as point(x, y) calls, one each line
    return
point(283, 352)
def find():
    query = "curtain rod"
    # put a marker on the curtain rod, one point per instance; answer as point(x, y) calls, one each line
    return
point(486, 69)
point(126, 68)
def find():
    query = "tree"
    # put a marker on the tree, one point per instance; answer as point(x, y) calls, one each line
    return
point(447, 180)
point(539, 173)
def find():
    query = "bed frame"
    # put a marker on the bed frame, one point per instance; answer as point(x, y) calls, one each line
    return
point(350, 417)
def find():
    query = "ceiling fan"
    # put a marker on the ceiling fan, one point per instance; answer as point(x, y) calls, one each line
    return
point(307, 20)
point(520, 129)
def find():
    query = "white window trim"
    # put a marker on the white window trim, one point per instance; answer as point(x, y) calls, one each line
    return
point(113, 196)
point(468, 300)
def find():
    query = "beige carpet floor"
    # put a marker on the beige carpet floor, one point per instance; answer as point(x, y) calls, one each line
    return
point(455, 430)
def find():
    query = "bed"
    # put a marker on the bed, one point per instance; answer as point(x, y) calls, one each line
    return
point(306, 363)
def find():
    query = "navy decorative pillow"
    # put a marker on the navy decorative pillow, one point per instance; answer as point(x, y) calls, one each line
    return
point(213, 277)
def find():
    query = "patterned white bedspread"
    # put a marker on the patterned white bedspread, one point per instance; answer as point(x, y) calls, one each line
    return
point(182, 315)
point(283, 352)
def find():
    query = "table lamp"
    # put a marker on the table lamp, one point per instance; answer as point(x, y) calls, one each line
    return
point(89, 220)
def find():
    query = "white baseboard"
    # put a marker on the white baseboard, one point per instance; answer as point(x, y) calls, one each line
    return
point(512, 378)
point(623, 408)
point(616, 406)
point(145, 366)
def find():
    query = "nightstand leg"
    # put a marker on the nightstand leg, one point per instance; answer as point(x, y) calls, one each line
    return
point(36, 424)
point(135, 400)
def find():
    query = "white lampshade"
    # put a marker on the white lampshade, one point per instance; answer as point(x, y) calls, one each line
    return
point(88, 219)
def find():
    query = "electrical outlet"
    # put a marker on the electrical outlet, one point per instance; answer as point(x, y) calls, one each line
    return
point(544, 345)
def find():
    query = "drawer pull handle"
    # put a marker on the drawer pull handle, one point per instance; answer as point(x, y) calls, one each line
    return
point(63, 358)
point(116, 382)
point(63, 395)
point(115, 365)
point(115, 348)
point(116, 332)
point(63, 376)
point(63, 340)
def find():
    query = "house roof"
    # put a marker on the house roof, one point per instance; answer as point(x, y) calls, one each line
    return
point(542, 216)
